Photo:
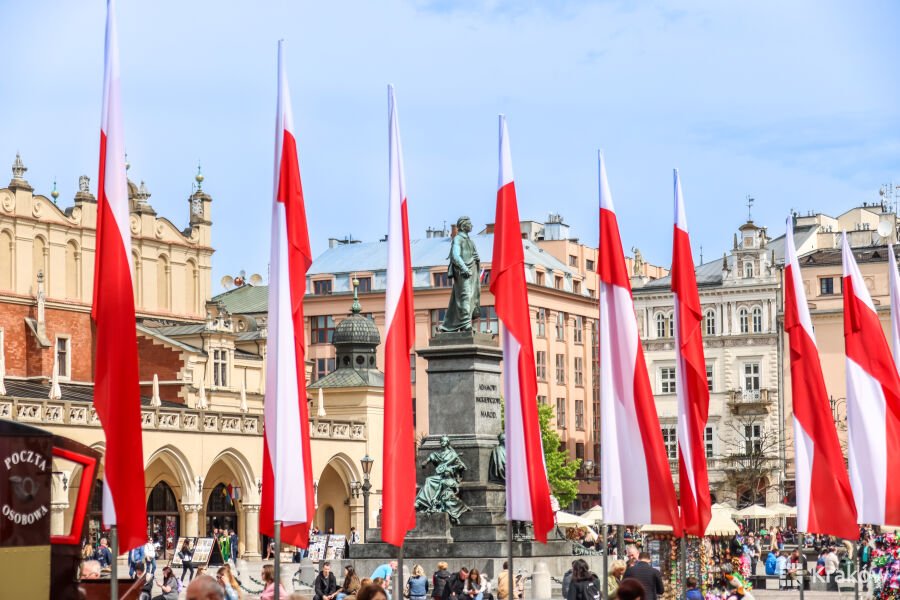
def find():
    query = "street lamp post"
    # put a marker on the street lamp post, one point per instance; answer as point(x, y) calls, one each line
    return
point(366, 463)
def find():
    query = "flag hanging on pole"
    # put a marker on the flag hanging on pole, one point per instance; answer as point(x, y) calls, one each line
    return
point(824, 497)
point(399, 490)
point(116, 387)
point(527, 489)
point(690, 378)
point(636, 481)
point(895, 305)
point(287, 466)
point(873, 403)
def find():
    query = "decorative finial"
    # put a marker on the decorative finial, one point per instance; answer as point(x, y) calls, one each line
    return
point(199, 177)
point(54, 193)
point(19, 168)
point(356, 308)
point(749, 209)
point(127, 164)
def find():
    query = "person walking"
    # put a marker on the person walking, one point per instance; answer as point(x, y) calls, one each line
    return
point(439, 581)
point(417, 585)
point(648, 577)
point(585, 585)
point(150, 556)
point(831, 568)
point(169, 585)
point(186, 553)
point(233, 546)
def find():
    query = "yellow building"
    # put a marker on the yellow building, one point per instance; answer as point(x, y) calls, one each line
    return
point(201, 369)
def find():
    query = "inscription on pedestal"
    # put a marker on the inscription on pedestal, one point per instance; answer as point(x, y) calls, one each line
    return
point(489, 401)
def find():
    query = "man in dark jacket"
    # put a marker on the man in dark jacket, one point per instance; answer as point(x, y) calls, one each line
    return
point(647, 576)
point(325, 585)
point(454, 588)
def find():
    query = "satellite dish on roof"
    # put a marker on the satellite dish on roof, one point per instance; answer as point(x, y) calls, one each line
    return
point(255, 279)
point(884, 229)
point(227, 282)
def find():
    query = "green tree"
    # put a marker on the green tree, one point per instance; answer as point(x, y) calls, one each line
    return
point(560, 470)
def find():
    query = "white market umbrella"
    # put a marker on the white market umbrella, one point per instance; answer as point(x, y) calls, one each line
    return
point(755, 511)
point(720, 522)
point(565, 519)
point(783, 510)
point(155, 399)
point(593, 514)
point(243, 407)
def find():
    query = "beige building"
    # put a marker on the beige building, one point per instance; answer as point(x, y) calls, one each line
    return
point(201, 369)
point(562, 284)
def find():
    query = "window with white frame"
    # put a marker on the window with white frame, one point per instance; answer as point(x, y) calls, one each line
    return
point(220, 367)
point(579, 415)
point(748, 269)
point(561, 413)
point(561, 369)
point(670, 440)
point(710, 322)
point(660, 325)
point(753, 438)
point(709, 377)
point(744, 320)
point(670, 321)
point(757, 319)
point(561, 326)
point(667, 380)
point(63, 357)
point(709, 441)
point(752, 377)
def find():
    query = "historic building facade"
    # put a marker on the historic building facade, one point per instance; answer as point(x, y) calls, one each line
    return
point(562, 287)
point(201, 368)
point(739, 299)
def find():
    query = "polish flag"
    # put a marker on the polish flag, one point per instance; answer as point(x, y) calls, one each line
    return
point(873, 404)
point(398, 514)
point(824, 497)
point(690, 377)
point(527, 489)
point(895, 305)
point(287, 466)
point(116, 389)
point(637, 484)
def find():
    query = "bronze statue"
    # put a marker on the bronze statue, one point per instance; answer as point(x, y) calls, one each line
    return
point(497, 466)
point(440, 491)
point(465, 273)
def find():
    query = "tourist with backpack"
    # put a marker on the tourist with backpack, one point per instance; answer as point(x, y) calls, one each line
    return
point(585, 585)
point(439, 580)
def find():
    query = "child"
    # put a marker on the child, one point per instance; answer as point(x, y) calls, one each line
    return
point(692, 593)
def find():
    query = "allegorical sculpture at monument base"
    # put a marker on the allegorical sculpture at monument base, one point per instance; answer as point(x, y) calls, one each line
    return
point(464, 271)
point(497, 466)
point(440, 492)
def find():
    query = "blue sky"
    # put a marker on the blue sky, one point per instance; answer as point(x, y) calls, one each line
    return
point(795, 103)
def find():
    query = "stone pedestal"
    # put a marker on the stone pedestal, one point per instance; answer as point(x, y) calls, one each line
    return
point(251, 532)
point(464, 404)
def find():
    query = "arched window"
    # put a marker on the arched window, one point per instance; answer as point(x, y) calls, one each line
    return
point(710, 322)
point(744, 318)
point(757, 320)
point(73, 266)
point(162, 518)
point(162, 283)
point(748, 269)
point(220, 511)
point(660, 325)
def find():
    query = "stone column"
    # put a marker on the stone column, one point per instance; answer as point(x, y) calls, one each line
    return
point(192, 520)
point(251, 532)
point(58, 518)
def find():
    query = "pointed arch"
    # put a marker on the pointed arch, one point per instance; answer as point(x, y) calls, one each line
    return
point(238, 464)
point(175, 460)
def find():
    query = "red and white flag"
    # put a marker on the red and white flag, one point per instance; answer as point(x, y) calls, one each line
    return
point(895, 304)
point(637, 484)
point(873, 404)
point(527, 489)
point(287, 466)
point(116, 389)
point(824, 497)
point(399, 489)
point(690, 378)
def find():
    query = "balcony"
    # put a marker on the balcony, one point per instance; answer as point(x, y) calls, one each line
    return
point(749, 463)
point(750, 402)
